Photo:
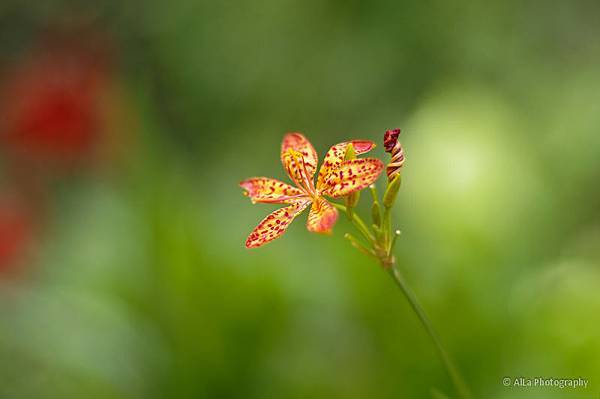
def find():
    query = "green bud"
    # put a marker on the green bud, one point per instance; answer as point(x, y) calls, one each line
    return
point(351, 201)
point(390, 193)
point(378, 232)
point(376, 214)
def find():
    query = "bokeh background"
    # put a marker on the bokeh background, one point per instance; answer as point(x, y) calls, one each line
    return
point(126, 126)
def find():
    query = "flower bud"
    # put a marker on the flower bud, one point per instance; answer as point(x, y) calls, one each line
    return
point(376, 214)
point(389, 197)
point(392, 146)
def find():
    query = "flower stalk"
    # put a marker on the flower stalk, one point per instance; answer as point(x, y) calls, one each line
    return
point(357, 222)
point(457, 380)
point(382, 243)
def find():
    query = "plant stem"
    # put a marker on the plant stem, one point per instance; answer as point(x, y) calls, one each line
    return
point(358, 223)
point(373, 190)
point(457, 380)
point(382, 249)
point(387, 229)
point(357, 244)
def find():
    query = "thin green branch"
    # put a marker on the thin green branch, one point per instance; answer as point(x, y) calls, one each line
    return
point(358, 245)
point(382, 245)
point(373, 191)
point(455, 376)
point(394, 238)
point(387, 229)
point(358, 223)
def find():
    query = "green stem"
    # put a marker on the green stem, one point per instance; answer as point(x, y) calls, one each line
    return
point(373, 190)
point(382, 249)
point(387, 229)
point(358, 223)
point(457, 380)
point(358, 245)
point(395, 236)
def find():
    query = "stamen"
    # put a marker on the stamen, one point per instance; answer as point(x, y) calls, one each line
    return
point(309, 182)
point(307, 186)
point(283, 198)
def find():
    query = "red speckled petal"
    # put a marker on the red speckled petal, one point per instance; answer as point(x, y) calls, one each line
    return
point(275, 224)
point(299, 143)
point(352, 175)
point(322, 216)
point(335, 157)
point(264, 189)
point(296, 168)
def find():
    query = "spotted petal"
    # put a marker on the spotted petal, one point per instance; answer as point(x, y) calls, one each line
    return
point(275, 224)
point(322, 216)
point(299, 143)
point(335, 157)
point(352, 175)
point(296, 168)
point(265, 189)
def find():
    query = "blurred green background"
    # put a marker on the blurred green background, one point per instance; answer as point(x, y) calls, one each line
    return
point(129, 278)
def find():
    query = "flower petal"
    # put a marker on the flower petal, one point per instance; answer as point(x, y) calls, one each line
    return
point(265, 189)
point(296, 168)
point(299, 143)
point(352, 175)
point(275, 224)
point(335, 157)
point(322, 216)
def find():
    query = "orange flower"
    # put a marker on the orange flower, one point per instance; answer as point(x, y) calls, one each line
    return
point(337, 178)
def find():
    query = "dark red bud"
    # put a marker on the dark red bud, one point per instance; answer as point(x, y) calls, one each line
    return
point(390, 138)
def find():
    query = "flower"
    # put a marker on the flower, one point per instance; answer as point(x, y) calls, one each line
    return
point(336, 179)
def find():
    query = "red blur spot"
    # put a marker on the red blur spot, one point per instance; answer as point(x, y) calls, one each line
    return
point(52, 104)
point(16, 234)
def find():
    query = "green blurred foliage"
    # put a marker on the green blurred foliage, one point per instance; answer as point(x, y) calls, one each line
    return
point(142, 287)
